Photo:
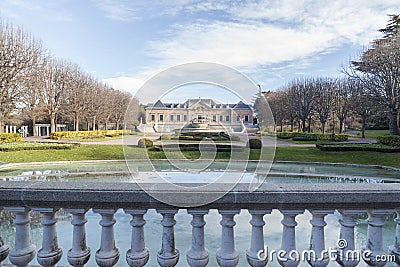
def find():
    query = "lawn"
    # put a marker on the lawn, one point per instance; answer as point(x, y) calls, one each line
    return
point(115, 152)
point(372, 134)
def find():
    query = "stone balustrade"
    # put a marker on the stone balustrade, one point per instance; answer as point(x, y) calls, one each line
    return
point(348, 200)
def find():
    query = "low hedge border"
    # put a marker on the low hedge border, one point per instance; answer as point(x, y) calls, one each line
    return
point(35, 146)
point(299, 136)
point(99, 133)
point(358, 147)
point(389, 140)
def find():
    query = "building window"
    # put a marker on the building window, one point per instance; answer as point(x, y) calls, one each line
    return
point(227, 118)
point(238, 118)
point(161, 117)
point(214, 117)
point(184, 118)
point(221, 118)
point(152, 117)
point(246, 118)
point(178, 117)
point(171, 117)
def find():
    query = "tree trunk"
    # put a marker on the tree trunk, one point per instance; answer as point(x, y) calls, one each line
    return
point(94, 124)
point(292, 125)
point(117, 125)
point(34, 130)
point(52, 123)
point(76, 123)
point(1, 125)
point(341, 122)
point(393, 123)
point(303, 125)
point(363, 120)
point(281, 126)
point(323, 127)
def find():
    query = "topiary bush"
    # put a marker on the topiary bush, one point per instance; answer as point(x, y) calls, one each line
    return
point(145, 142)
point(254, 143)
point(389, 140)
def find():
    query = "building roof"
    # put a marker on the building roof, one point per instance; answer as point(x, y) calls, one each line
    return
point(190, 102)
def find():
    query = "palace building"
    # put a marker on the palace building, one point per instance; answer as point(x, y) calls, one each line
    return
point(167, 117)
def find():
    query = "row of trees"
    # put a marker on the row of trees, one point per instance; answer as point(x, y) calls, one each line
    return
point(370, 88)
point(43, 88)
point(311, 103)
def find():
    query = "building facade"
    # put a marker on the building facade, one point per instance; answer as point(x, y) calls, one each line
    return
point(166, 117)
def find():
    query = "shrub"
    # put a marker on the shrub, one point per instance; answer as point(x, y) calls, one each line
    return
point(145, 142)
point(10, 137)
point(254, 143)
point(389, 140)
point(341, 137)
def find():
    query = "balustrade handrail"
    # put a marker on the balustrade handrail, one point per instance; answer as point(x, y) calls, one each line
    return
point(267, 196)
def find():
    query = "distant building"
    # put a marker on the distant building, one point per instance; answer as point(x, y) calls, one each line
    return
point(166, 117)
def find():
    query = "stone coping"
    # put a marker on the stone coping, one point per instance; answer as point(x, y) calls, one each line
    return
point(267, 196)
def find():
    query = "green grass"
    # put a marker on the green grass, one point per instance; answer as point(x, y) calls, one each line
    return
point(115, 152)
point(372, 134)
point(313, 154)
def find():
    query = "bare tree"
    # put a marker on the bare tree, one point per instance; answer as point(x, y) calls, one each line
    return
point(57, 79)
point(75, 95)
point(362, 102)
point(19, 55)
point(304, 96)
point(324, 89)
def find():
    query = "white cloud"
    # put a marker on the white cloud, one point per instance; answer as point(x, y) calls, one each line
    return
point(254, 36)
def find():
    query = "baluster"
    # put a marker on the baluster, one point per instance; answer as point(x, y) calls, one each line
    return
point(345, 244)
point(168, 256)
point(253, 255)
point(395, 250)
point(108, 254)
point(4, 249)
point(79, 254)
point(23, 251)
point(227, 256)
point(50, 253)
point(317, 242)
point(138, 254)
point(197, 256)
point(373, 251)
point(288, 245)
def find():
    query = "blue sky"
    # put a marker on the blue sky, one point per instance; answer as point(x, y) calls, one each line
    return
point(126, 42)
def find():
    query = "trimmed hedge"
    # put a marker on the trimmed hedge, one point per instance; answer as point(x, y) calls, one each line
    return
point(35, 146)
point(98, 133)
point(10, 137)
point(145, 142)
point(254, 143)
point(389, 140)
point(299, 136)
point(358, 147)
